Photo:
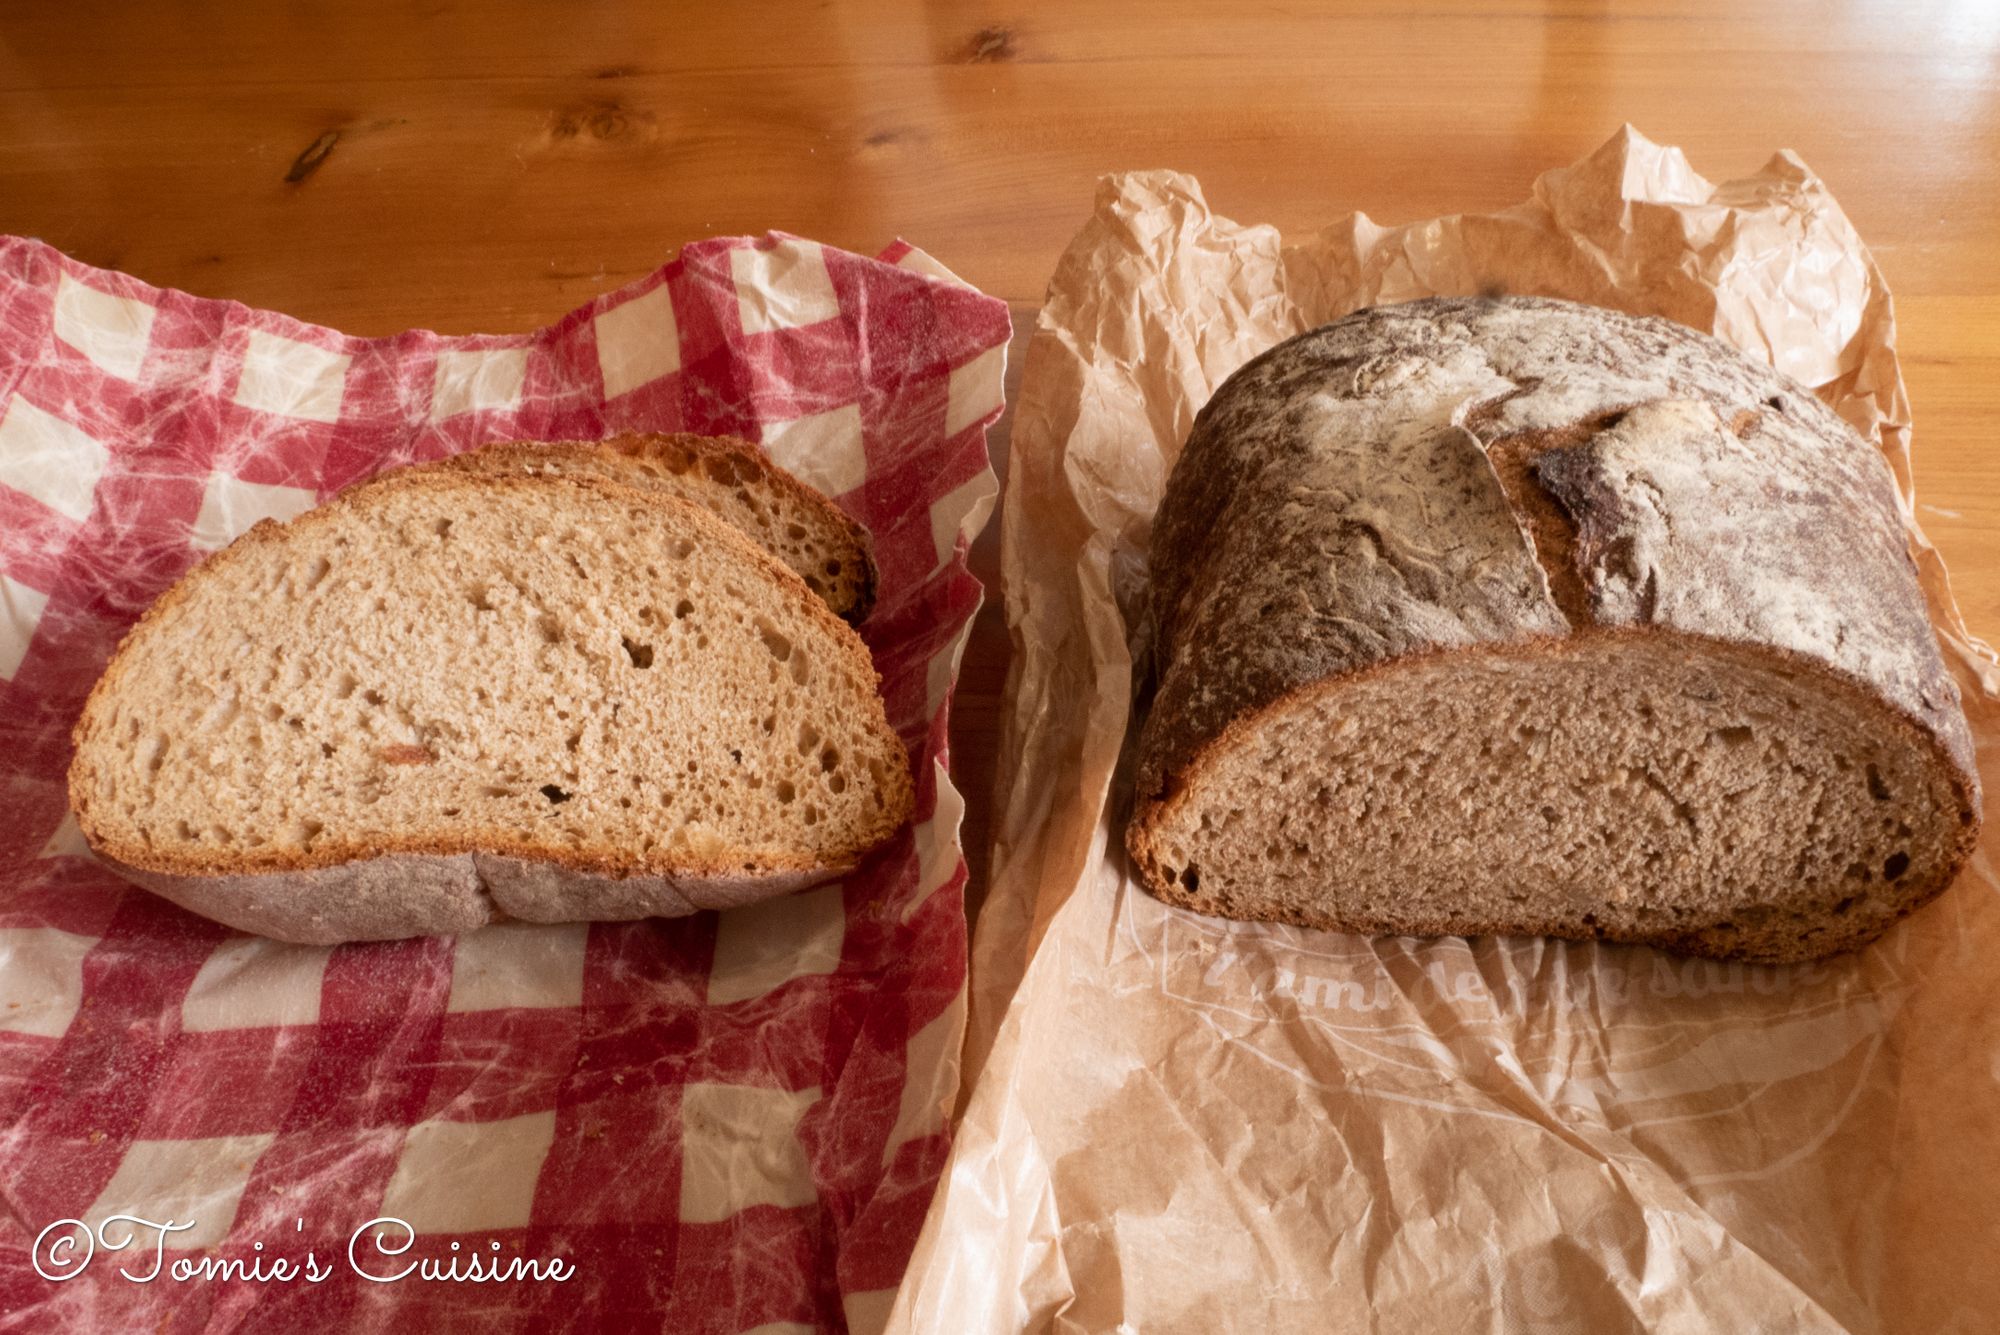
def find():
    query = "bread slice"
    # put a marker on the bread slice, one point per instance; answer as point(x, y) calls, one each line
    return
point(734, 479)
point(452, 697)
point(1520, 617)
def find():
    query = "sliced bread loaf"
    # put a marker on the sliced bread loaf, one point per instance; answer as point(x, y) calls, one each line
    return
point(452, 697)
point(734, 479)
point(1518, 616)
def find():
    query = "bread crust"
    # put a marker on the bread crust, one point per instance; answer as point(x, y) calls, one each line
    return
point(460, 874)
point(1459, 476)
point(392, 896)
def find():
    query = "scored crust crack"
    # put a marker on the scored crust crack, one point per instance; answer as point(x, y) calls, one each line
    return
point(1515, 616)
point(457, 694)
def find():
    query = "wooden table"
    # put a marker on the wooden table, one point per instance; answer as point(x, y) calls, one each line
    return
point(487, 167)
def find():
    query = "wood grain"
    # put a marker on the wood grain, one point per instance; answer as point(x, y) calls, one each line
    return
point(375, 166)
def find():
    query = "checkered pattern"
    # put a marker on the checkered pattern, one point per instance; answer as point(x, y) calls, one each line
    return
point(724, 1123)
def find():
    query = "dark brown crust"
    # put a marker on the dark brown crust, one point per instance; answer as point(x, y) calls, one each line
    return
point(1451, 475)
point(609, 864)
point(681, 450)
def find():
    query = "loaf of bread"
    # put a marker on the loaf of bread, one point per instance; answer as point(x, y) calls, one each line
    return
point(453, 696)
point(732, 479)
point(1521, 617)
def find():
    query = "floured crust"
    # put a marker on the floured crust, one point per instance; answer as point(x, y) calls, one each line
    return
point(1428, 392)
point(398, 895)
point(461, 874)
point(1453, 475)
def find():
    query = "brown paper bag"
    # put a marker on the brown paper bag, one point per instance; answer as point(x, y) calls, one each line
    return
point(1184, 1124)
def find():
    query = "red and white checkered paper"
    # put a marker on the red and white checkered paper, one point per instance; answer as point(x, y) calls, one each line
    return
point(723, 1123)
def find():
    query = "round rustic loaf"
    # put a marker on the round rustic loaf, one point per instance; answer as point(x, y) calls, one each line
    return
point(1515, 616)
point(460, 695)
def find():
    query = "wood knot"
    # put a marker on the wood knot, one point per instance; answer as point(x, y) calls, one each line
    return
point(309, 161)
point(605, 120)
point(990, 46)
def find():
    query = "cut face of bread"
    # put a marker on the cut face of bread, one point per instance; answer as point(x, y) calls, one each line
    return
point(730, 477)
point(1708, 797)
point(600, 684)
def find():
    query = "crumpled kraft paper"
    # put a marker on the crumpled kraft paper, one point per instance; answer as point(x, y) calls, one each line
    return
point(1185, 1124)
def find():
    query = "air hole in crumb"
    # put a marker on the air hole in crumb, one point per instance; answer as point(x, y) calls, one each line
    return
point(184, 830)
point(1732, 737)
point(640, 654)
point(800, 668)
point(833, 568)
point(551, 631)
point(1844, 905)
point(442, 527)
point(1876, 788)
point(493, 790)
point(682, 549)
point(345, 686)
point(555, 795)
point(829, 760)
point(317, 573)
point(769, 724)
point(1897, 864)
point(326, 749)
point(683, 609)
point(785, 791)
point(774, 640)
point(1191, 878)
point(372, 696)
point(795, 531)
point(808, 738)
point(837, 784)
point(477, 597)
point(735, 755)
point(1857, 872)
